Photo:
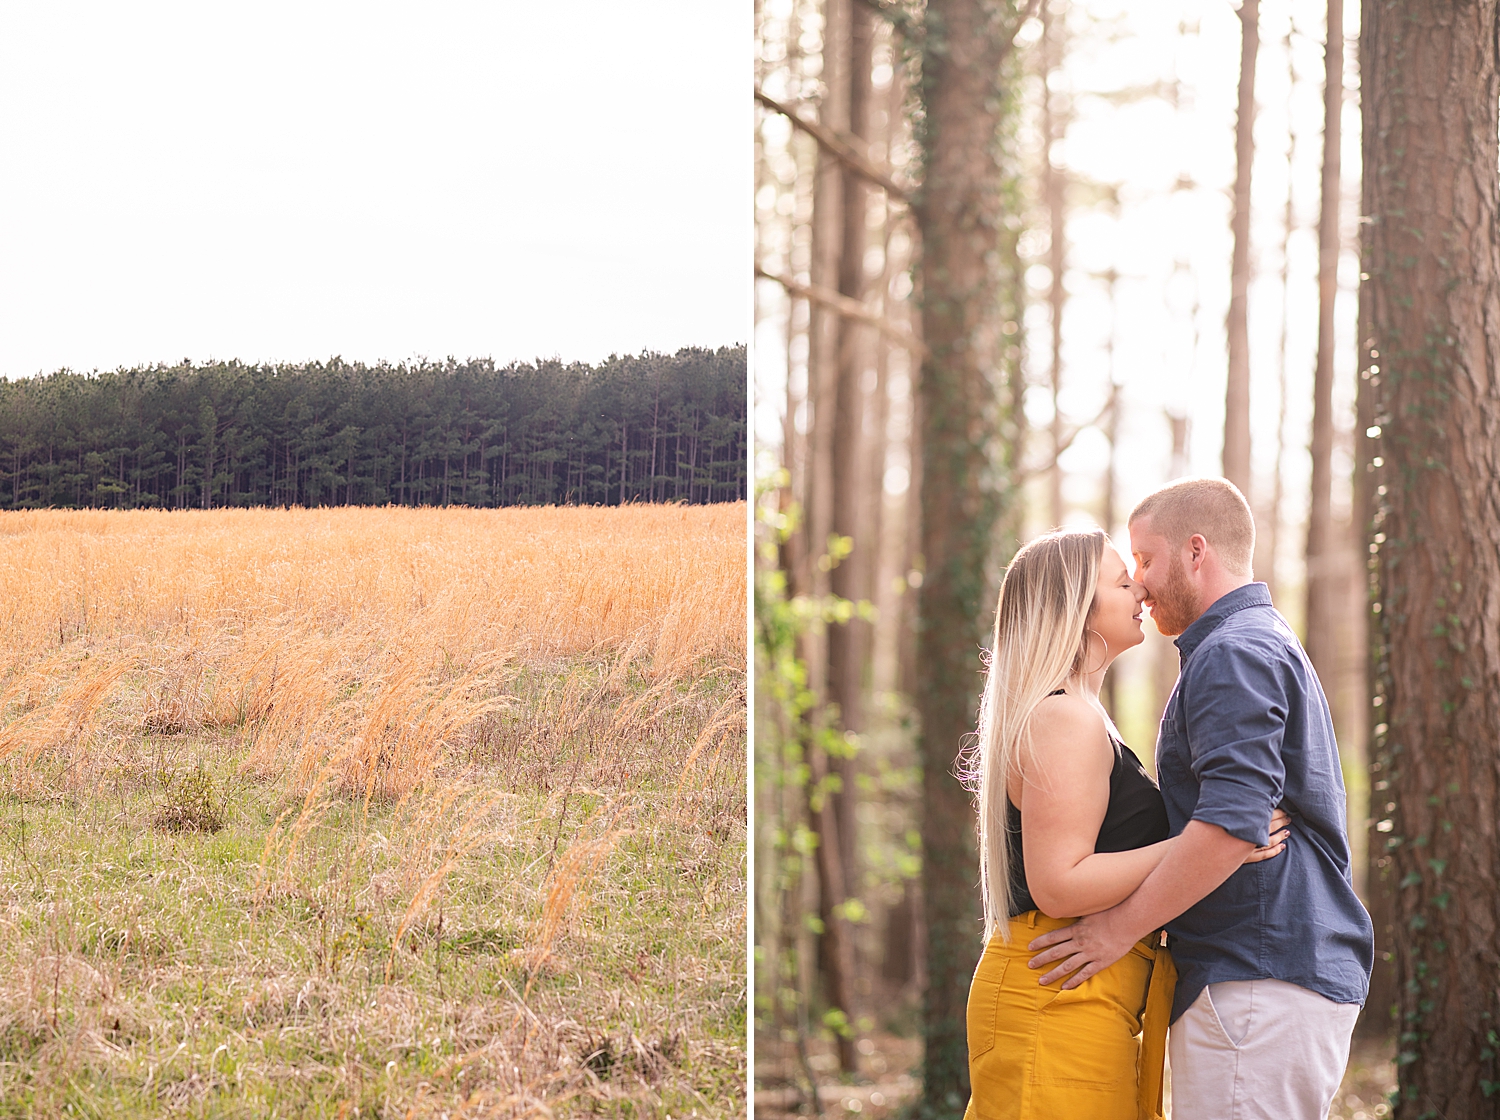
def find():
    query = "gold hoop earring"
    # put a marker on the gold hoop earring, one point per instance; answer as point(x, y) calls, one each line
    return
point(1090, 672)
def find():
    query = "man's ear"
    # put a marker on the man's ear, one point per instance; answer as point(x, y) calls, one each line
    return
point(1197, 550)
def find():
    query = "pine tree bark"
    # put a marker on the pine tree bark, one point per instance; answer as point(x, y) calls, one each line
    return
point(824, 321)
point(1323, 591)
point(1375, 1020)
point(1268, 543)
point(849, 642)
point(833, 958)
point(1431, 84)
point(1237, 387)
point(1377, 1017)
point(1054, 195)
point(963, 493)
point(835, 948)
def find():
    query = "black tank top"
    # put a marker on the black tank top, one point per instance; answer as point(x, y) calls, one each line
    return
point(1136, 816)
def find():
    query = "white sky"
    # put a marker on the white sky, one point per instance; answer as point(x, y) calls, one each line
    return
point(289, 181)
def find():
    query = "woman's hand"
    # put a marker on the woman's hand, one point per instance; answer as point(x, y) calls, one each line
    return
point(1276, 843)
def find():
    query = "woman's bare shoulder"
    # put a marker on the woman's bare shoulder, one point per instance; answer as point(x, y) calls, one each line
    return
point(1067, 722)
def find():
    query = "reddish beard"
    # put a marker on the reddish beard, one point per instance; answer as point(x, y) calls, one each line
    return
point(1174, 605)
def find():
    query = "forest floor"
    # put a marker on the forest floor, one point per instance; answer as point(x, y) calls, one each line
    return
point(889, 1080)
point(370, 870)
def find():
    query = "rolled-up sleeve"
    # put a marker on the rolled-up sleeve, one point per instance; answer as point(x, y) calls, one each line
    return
point(1235, 715)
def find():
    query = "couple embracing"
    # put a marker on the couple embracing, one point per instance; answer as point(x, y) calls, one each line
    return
point(1220, 902)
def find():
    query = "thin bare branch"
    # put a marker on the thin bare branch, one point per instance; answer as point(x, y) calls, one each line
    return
point(1026, 474)
point(849, 308)
point(842, 148)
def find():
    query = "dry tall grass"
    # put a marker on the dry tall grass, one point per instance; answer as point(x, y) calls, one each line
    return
point(556, 580)
point(483, 773)
point(380, 632)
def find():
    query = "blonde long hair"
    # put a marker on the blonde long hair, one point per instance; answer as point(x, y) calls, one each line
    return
point(1039, 646)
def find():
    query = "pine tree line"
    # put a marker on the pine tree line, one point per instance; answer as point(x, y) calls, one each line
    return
point(649, 428)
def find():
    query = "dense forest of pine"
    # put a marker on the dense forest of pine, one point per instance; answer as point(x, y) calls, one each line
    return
point(651, 428)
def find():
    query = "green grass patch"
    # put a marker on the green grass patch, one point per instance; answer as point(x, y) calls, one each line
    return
point(557, 921)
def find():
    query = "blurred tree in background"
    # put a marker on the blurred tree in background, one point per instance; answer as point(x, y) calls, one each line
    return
point(969, 408)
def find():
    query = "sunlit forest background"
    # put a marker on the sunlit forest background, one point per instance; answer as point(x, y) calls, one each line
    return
point(1168, 239)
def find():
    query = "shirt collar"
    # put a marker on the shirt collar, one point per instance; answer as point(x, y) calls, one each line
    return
point(1250, 595)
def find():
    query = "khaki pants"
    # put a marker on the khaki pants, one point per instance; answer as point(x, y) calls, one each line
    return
point(1253, 1049)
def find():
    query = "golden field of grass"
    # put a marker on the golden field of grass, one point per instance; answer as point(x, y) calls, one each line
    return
point(373, 812)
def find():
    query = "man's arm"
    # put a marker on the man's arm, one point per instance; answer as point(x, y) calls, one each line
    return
point(1235, 707)
point(1203, 857)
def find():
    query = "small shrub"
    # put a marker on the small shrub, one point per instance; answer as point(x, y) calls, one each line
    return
point(193, 804)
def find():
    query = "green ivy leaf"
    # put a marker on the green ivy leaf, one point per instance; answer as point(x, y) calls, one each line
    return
point(837, 1022)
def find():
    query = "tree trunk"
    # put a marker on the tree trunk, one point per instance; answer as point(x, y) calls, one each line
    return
point(963, 492)
point(1054, 194)
point(1431, 79)
point(1268, 544)
point(1237, 389)
point(813, 578)
point(655, 429)
point(1323, 591)
point(1375, 1020)
point(1165, 658)
point(848, 642)
point(835, 942)
point(823, 330)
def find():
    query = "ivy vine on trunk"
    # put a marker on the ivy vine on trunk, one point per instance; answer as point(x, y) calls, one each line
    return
point(967, 417)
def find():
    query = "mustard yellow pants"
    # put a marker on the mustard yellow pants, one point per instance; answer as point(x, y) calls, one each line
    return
point(1040, 1053)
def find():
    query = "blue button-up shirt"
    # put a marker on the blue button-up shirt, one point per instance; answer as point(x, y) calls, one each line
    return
point(1247, 729)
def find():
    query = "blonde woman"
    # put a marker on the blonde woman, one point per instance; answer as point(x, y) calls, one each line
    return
point(1069, 824)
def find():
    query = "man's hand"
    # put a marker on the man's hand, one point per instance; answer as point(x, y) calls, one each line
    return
point(1089, 946)
point(1203, 857)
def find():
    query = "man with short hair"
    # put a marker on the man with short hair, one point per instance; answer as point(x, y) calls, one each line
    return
point(1274, 958)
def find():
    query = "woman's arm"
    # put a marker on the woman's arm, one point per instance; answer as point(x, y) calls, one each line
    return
point(1064, 795)
point(1105, 879)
